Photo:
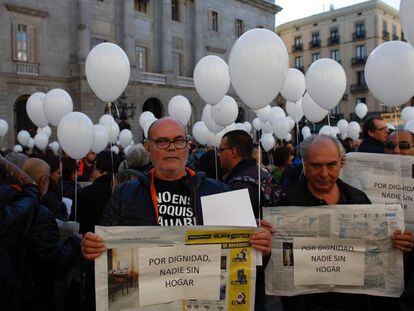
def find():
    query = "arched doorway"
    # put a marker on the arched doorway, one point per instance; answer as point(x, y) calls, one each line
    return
point(154, 105)
point(21, 119)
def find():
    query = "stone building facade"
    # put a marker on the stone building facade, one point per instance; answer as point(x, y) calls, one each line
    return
point(347, 35)
point(45, 44)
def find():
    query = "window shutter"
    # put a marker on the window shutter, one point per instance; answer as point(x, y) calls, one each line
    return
point(31, 44)
point(14, 41)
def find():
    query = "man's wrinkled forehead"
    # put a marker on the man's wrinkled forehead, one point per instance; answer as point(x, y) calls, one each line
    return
point(166, 127)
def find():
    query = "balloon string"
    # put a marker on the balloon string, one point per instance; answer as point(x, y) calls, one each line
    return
point(259, 182)
point(113, 169)
point(398, 155)
point(61, 177)
point(329, 124)
point(297, 133)
point(215, 147)
point(76, 190)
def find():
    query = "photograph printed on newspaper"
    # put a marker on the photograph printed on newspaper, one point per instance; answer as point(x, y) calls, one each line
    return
point(176, 268)
point(339, 248)
point(385, 179)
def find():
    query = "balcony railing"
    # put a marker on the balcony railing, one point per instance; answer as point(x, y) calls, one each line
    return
point(315, 44)
point(359, 35)
point(28, 69)
point(359, 88)
point(185, 81)
point(155, 78)
point(386, 35)
point(334, 40)
point(359, 60)
point(297, 47)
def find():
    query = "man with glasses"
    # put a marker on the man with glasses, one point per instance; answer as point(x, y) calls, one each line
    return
point(375, 132)
point(400, 142)
point(167, 195)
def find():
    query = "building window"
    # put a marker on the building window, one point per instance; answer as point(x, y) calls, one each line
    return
point(394, 33)
point(140, 6)
point(298, 41)
point(299, 63)
point(141, 54)
point(384, 26)
point(175, 10)
point(335, 55)
point(360, 52)
point(361, 78)
point(315, 38)
point(176, 63)
point(361, 100)
point(96, 41)
point(315, 57)
point(360, 29)
point(239, 27)
point(214, 22)
point(22, 43)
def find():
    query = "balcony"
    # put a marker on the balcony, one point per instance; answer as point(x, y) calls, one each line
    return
point(359, 35)
point(185, 81)
point(154, 78)
point(386, 35)
point(314, 44)
point(359, 88)
point(395, 38)
point(356, 61)
point(27, 69)
point(297, 48)
point(334, 40)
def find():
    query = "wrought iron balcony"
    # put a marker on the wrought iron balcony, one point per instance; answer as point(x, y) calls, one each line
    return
point(155, 78)
point(185, 81)
point(334, 40)
point(386, 35)
point(359, 88)
point(297, 47)
point(356, 61)
point(28, 69)
point(315, 44)
point(359, 35)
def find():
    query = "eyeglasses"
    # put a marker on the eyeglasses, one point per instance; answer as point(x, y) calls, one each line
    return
point(403, 145)
point(221, 149)
point(385, 128)
point(164, 143)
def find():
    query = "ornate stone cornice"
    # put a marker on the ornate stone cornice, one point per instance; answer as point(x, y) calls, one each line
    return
point(26, 10)
point(266, 5)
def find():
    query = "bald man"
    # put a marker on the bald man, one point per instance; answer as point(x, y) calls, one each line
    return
point(400, 142)
point(39, 171)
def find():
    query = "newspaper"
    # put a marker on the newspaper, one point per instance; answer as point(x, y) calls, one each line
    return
point(385, 179)
point(373, 225)
point(149, 268)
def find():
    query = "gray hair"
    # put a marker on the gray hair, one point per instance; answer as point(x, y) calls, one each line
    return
point(304, 145)
point(137, 156)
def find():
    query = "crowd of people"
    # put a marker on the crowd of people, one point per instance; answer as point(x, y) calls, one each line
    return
point(42, 268)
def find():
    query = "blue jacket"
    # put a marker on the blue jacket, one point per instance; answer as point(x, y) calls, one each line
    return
point(131, 203)
point(371, 145)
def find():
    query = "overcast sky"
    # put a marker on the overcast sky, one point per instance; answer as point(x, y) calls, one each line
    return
point(294, 9)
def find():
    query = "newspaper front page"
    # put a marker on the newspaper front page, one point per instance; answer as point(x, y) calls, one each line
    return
point(359, 242)
point(385, 179)
point(176, 268)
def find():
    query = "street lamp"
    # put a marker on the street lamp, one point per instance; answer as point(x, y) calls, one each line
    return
point(123, 110)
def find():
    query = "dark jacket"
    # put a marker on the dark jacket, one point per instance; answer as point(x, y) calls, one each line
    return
point(371, 145)
point(92, 201)
point(40, 257)
point(53, 201)
point(131, 204)
point(69, 189)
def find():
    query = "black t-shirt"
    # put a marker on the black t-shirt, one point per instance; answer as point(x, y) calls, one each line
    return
point(174, 203)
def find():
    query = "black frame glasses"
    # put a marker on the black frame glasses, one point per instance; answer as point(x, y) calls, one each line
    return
point(221, 149)
point(403, 145)
point(165, 143)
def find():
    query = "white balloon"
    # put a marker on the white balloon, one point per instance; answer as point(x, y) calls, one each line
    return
point(75, 134)
point(267, 141)
point(281, 127)
point(264, 114)
point(407, 114)
point(56, 104)
point(312, 111)
point(211, 79)
point(353, 130)
point(258, 65)
point(144, 117)
point(305, 130)
point(4, 127)
point(147, 125)
point(288, 137)
point(127, 149)
point(41, 141)
point(406, 18)
point(389, 73)
point(342, 126)
point(179, 108)
point(100, 138)
point(240, 126)
point(208, 120)
point(409, 126)
point(307, 135)
point(34, 109)
point(106, 118)
point(17, 148)
point(361, 110)
point(291, 123)
point(113, 131)
point(257, 124)
point(23, 138)
point(326, 82)
point(326, 130)
point(46, 130)
point(248, 126)
point(344, 136)
point(55, 147)
point(295, 110)
point(115, 149)
point(31, 143)
point(201, 133)
point(107, 70)
point(125, 137)
point(225, 112)
point(390, 126)
point(267, 127)
point(277, 112)
point(294, 87)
